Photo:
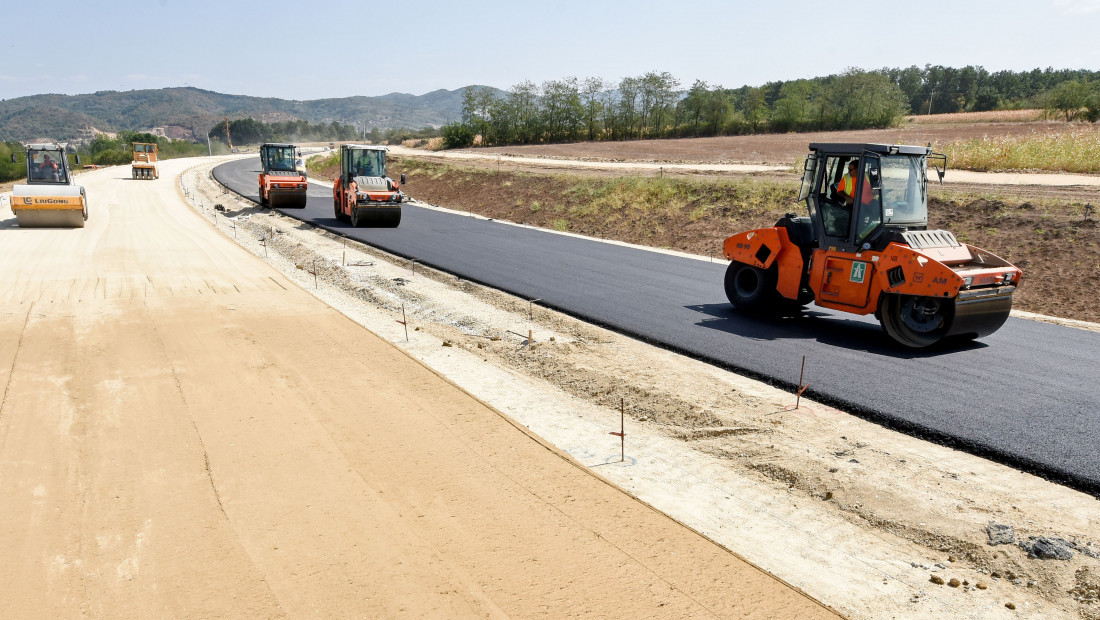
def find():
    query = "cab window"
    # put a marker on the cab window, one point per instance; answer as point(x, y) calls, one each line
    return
point(869, 199)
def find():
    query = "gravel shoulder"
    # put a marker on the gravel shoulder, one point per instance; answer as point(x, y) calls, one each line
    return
point(873, 523)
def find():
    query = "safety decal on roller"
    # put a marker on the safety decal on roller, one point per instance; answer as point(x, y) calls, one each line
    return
point(859, 272)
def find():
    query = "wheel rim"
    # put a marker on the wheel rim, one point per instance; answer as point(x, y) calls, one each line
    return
point(747, 283)
point(916, 322)
point(923, 315)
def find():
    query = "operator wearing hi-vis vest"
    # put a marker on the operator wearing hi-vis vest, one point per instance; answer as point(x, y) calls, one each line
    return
point(846, 189)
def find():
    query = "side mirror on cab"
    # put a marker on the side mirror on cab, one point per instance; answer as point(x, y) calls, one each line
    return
point(78, 159)
point(13, 159)
point(402, 178)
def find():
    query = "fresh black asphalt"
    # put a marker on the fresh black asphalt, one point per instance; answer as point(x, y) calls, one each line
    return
point(1025, 396)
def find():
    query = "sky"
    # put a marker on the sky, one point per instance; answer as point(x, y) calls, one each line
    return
point(320, 49)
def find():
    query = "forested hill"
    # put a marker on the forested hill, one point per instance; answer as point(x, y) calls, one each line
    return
point(189, 113)
point(835, 101)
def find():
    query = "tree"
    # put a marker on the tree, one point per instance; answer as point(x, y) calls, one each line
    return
point(476, 106)
point(561, 103)
point(626, 110)
point(693, 105)
point(592, 92)
point(754, 108)
point(524, 113)
point(658, 99)
point(792, 110)
point(1069, 98)
point(717, 109)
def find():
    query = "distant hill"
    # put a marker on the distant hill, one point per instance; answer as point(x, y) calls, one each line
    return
point(191, 112)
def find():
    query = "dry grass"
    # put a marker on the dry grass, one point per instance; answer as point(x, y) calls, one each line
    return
point(431, 144)
point(1076, 151)
point(992, 116)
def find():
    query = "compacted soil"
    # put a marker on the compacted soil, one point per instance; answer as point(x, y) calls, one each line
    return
point(185, 432)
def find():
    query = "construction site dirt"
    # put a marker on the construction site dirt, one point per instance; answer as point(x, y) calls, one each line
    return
point(173, 445)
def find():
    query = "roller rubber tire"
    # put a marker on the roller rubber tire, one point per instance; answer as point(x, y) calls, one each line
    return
point(750, 288)
point(916, 322)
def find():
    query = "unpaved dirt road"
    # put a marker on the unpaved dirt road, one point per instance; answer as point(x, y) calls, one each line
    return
point(184, 432)
point(578, 162)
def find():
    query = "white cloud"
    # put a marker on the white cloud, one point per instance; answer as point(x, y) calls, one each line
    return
point(1078, 7)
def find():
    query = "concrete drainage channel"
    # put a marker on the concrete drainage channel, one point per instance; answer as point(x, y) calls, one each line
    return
point(724, 455)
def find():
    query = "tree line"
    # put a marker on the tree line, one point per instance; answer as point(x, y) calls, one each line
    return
point(104, 150)
point(251, 131)
point(655, 106)
point(941, 90)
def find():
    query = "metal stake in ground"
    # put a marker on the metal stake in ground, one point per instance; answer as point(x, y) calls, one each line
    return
point(801, 388)
point(622, 430)
point(404, 322)
point(530, 320)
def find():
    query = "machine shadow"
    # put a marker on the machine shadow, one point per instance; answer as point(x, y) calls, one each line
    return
point(813, 324)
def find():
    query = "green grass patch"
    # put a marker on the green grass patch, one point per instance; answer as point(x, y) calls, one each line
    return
point(317, 165)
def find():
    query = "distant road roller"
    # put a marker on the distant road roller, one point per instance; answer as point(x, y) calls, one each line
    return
point(363, 194)
point(49, 199)
point(283, 182)
point(144, 165)
point(866, 249)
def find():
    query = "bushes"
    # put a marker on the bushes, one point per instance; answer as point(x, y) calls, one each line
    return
point(251, 131)
point(107, 151)
point(457, 136)
point(8, 170)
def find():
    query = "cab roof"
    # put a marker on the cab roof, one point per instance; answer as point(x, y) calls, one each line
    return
point(855, 148)
point(366, 147)
point(277, 144)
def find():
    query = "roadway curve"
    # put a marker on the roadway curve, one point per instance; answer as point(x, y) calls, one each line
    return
point(1023, 396)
